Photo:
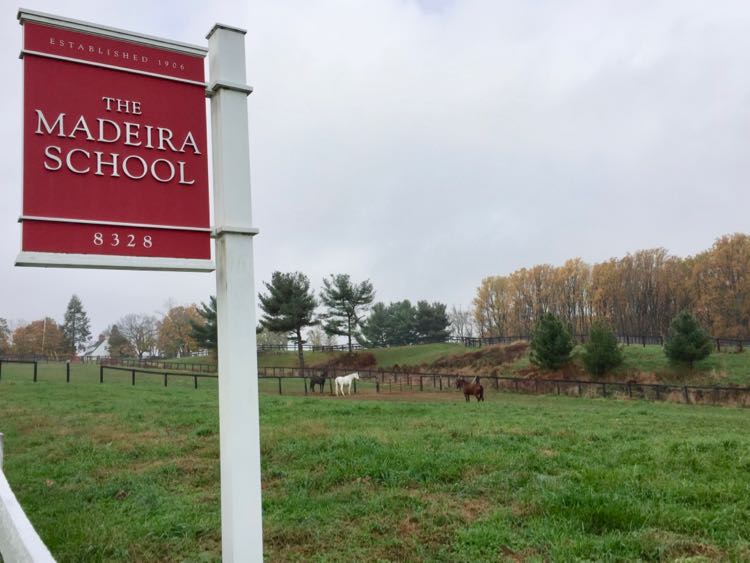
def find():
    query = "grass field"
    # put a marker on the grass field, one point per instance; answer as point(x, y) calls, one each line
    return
point(120, 473)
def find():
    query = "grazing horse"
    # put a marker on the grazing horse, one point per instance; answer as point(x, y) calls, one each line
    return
point(318, 380)
point(342, 380)
point(474, 388)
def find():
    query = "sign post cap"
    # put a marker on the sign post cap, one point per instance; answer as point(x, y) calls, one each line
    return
point(225, 26)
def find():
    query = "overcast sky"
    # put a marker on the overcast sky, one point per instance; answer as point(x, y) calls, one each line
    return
point(426, 144)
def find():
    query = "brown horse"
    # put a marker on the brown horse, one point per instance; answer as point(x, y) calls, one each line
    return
point(474, 388)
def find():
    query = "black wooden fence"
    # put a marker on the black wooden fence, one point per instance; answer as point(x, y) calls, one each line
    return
point(291, 381)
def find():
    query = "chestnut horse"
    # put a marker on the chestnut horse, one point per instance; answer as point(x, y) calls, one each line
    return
point(474, 388)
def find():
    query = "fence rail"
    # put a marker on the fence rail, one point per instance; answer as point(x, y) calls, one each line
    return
point(387, 381)
point(18, 539)
point(407, 380)
point(159, 364)
point(164, 374)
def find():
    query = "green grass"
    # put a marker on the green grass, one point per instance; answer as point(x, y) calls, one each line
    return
point(120, 473)
point(415, 355)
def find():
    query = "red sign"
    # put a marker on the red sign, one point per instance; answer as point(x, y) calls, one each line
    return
point(115, 149)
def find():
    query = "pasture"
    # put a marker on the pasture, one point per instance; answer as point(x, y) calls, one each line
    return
point(121, 473)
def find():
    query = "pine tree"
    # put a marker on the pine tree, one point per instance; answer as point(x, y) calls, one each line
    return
point(205, 333)
point(288, 307)
point(346, 302)
point(686, 341)
point(119, 346)
point(602, 352)
point(375, 328)
point(431, 322)
point(551, 343)
point(76, 327)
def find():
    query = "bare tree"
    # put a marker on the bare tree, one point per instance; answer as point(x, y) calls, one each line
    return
point(462, 323)
point(141, 332)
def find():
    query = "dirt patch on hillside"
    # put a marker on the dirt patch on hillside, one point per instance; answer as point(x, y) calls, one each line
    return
point(482, 360)
point(353, 360)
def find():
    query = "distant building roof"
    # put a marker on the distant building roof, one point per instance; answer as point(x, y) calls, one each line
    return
point(99, 350)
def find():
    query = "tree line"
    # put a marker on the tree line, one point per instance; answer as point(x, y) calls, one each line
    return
point(638, 294)
point(134, 334)
point(289, 306)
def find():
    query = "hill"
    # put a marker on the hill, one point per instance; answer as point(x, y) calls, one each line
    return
point(644, 364)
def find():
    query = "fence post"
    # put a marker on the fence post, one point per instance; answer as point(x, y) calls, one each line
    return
point(165, 379)
point(604, 388)
point(67, 371)
point(101, 374)
point(279, 386)
point(377, 385)
point(685, 394)
point(421, 388)
point(35, 371)
point(132, 377)
point(304, 380)
point(630, 390)
point(195, 377)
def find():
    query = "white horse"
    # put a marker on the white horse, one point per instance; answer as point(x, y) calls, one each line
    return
point(342, 380)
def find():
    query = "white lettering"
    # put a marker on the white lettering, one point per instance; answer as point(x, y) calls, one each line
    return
point(100, 163)
point(126, 170)
point(189, 140)
point(69, 158)
point(102, 138)
point(41, 120)
point(156, 176)
point(131, 132)
point(181, 166)
point(163, 138)
point(81, 125)
point(48, 154)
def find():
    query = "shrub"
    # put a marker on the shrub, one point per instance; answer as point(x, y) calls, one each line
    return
point(601, 353)
point(551, 343)
point(354, 360)
point(686, 341)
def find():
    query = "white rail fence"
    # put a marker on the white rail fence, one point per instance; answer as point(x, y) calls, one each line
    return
point(19, 542)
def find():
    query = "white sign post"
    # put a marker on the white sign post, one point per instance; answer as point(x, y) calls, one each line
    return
point(239, 427)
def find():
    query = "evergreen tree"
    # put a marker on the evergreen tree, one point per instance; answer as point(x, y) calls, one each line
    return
point(375, 328)
point(551, 343)
point(119, 346)
point(288, 307)
point(431, 322)
point(205, 333)
point(602, 352)
point(76, 327)
point(686, 341)
point(401, 324)
point(346, 302)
